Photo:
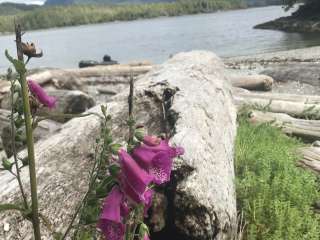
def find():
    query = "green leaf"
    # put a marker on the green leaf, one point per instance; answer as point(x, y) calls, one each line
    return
point(18, 65)
point(8, 206)
point(84, 235)
point(7, 165)
point(91, 213)
point(115, 148)
point(114, 170)
point(104, 187)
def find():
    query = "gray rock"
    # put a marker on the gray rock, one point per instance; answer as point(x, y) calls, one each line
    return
point(192, 90)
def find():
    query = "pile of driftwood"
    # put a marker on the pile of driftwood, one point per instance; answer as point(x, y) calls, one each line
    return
point(77, 90)
point(295, 115)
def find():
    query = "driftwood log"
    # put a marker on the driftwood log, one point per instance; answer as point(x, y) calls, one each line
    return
point(69, 102)
point(252, 82)
point(310, 158)
point(44, 130)
point(62, 77)
point(306, 129)
point(201, 197)
point(301, 106)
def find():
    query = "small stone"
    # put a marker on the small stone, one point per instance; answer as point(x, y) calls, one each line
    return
point(6, 227)
point(316, 144)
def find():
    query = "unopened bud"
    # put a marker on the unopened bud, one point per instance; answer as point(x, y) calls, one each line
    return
point(139, 134)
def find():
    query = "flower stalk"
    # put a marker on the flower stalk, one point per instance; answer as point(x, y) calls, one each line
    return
point(29, 135)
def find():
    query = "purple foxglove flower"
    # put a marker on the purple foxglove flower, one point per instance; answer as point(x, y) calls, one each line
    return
point(151, 140)
point(148, 195)
point(134, 179)
point(146, 237)
point(157, 160)
point(163, 146)
point(41, 95)
point(110, 221)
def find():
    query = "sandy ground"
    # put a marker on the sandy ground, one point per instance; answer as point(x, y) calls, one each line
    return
point(255, 64)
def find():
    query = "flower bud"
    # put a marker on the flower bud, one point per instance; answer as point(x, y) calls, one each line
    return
point(144, 232)
point(139, 134)
point(115, 148)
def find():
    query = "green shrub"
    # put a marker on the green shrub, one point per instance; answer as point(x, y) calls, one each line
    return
point(274, 194)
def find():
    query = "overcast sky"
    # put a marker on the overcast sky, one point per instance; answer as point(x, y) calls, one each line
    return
point(24, 1)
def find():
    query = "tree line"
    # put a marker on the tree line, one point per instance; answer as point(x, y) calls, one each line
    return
point(60, 16)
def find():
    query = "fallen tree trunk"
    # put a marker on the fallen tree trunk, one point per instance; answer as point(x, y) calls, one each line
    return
point(299, 106)
point(252, 82)
point(306, 129)
point(201, 196)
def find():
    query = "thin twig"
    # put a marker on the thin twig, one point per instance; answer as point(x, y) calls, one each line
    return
point(14, 151)
point(130, 104)
point(130, 97)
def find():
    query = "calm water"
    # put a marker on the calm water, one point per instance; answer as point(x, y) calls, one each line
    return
point(228, 33)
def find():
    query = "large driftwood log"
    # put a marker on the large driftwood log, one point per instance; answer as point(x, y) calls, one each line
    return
point(252, 82)
point(301, 106)
point(201, 198)
point(306, 129)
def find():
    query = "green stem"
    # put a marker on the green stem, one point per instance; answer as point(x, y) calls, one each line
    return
point(29, 133)
point(31, 157)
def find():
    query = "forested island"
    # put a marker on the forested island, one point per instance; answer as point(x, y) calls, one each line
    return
point(60, 13)
point(305, 19)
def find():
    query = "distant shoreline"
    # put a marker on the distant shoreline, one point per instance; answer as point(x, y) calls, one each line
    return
point(66, 16)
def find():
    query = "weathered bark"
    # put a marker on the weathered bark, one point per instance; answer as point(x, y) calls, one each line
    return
point(201, 197)
point(306, 129)
point(252, 82)
point(301, 106)
point(44, 130)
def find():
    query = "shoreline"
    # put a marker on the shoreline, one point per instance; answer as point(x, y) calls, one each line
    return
point(235, 8)
point(291, 24)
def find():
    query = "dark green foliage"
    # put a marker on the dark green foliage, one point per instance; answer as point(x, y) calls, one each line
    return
point(274, 194)
point(64, 2)
point(15, 8)
point(70, 15)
